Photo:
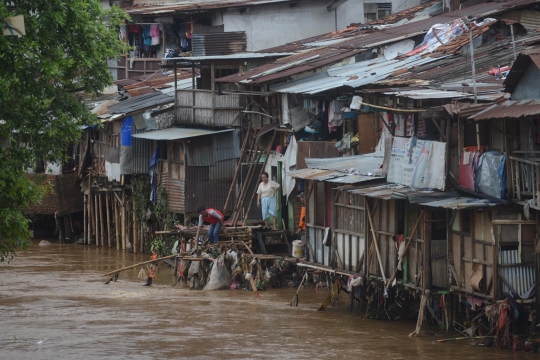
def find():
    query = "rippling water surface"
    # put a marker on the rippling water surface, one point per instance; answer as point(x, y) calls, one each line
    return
point(54, 305)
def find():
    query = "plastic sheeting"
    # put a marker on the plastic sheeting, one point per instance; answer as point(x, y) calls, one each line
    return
point(289, 164)
point(126, 152)
point(491, 174)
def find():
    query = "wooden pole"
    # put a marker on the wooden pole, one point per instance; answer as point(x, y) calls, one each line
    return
point(135, 232)
point(420, 316)
point(101, 224)
point(107, 205)
point(85, 223)
point(139, 264)
point(141, 238)
point(238, 167)
point(96, 223)
point(375, 241)
point(260, 174)
point(116, 224)
point(123, 219)
point(254, 156)
point(90, 217)
point(406, 247)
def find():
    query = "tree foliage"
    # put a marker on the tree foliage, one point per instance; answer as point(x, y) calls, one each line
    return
point(65, 50)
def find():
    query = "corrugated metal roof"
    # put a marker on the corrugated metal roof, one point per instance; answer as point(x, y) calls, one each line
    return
point(519, 276)
point(345, 170)
point(367, 164)
point(429, 94)
point(354, 75)
point(431, 198)
point(361, 39)
point(238, 56)
point(177, 133)
point(140, 102)
point(512, 109)
point(163, 7)
point(524, 59)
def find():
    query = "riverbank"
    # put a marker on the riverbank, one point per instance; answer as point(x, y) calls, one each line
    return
point(54, 304)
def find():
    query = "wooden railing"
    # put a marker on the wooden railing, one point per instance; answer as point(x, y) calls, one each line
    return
point(525, 180)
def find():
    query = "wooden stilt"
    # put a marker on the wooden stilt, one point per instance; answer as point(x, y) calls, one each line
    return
point(96, 219)
point(108, 218)
point(124, 220)
point(117, 223)
point(91, 228)
point(85, 220)
point(135, 227)
point(101, 223)
point(141, 238)
point(420, 316)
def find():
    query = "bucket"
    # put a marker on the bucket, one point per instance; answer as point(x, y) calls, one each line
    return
point(297, 249)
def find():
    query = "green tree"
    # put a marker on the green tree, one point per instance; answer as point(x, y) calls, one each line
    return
point(65, 50)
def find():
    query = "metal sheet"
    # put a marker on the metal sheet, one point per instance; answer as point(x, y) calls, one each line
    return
point(237, 56)
point(519, 276)
point(226, 146)
point(219, 43)
point(177, 133)
point(200, 153)
point(512, 109)
point(140, 102)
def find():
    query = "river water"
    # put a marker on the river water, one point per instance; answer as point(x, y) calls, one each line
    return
point(54, 305)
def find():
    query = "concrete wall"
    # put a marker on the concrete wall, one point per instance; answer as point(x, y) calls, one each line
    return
point(273, 25)
point(352, 11)
point(527, 87)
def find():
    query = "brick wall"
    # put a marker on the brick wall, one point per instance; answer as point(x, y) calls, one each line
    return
point(65, 196)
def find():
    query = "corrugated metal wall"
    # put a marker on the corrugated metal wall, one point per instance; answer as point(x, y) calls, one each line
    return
point(210, 165)
point(219, 43)
point(175, 194)
point(519, 276)
point(143, 150)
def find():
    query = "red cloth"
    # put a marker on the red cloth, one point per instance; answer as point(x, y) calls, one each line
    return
point(210, 219)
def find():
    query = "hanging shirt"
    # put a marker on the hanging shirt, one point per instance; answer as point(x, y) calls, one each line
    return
point(214, 216)
point(269, 189)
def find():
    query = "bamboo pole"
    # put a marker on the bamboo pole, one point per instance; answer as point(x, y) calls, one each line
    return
point(139, 264)
point(123, 219)
point(466, 338)
point(96, 223)
point(108, 218)
point(117, 224)
point(375, 241)
point(267, 153)
point(238, 167)
point(406, 248)
point(101, 224)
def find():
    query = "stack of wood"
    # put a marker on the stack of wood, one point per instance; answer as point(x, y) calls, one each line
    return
point(238, 236)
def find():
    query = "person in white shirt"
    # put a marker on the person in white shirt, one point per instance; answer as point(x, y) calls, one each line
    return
point(266, 197)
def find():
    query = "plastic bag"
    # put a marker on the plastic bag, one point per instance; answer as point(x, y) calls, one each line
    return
point(219, 277)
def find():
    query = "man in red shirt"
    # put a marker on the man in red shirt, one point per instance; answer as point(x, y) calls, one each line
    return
point(215, 218)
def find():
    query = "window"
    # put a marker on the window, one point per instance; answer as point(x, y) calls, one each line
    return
point(374, 11)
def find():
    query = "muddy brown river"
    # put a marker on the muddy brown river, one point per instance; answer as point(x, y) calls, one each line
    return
point(54, 305)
